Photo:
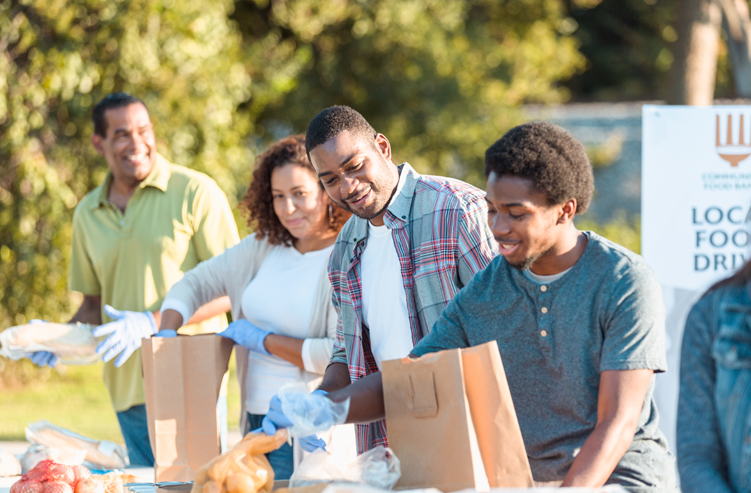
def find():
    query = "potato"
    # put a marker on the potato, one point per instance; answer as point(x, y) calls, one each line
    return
point(212, 487)
point(219, 467)
point(241, 483)
point(201, 476)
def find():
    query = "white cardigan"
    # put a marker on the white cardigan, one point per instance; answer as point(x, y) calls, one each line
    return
point(229, 274)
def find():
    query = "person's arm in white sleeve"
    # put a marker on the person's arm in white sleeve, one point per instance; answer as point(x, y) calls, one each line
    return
point(174, 312)
point(204, 289)
point(317, 352)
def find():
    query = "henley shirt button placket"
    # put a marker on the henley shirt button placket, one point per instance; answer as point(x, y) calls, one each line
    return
point(543, 320)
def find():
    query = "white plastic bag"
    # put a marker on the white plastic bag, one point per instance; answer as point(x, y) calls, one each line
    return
point(9, 465)
point(73, 343)
point(378, 467)
point(310, 413)
point(103, 454)
point(36, 453)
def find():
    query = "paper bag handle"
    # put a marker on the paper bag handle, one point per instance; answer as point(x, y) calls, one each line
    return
point(424, 401)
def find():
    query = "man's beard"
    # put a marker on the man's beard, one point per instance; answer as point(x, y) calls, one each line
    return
point(527, 263)
point(365, 214)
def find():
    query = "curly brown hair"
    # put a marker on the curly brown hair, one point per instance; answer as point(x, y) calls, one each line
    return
point(258, 200)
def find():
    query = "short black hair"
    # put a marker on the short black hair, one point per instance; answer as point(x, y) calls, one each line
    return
point(553, 159)
point(334, 120)
point(110, 101)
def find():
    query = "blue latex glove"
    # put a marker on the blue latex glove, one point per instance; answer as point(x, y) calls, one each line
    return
point(42, 358)
point(166, 333)
point(247, 335)
point(276, 419)
point(125, 334)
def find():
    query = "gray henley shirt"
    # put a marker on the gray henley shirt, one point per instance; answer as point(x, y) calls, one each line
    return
point(606, 313)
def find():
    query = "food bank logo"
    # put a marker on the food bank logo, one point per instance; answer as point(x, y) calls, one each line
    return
point(733, 150)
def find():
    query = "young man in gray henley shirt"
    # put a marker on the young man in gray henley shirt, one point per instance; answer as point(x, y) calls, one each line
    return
point(579, 322)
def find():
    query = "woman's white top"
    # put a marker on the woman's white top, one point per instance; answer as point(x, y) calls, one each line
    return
point(280, 299)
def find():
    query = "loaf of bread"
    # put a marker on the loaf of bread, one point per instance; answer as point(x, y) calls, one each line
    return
point(102, 453)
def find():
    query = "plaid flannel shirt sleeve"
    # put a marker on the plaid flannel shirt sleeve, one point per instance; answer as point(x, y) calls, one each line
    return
point(477, 246)
point(337, 278)
point(339, 354)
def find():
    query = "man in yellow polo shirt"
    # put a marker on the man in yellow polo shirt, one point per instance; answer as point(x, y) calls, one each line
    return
point(134, 236)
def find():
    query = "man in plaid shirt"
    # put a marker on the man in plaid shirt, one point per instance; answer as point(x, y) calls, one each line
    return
point(412, 243)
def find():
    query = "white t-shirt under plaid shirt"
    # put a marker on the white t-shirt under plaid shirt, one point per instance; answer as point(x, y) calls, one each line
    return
point(384, 300)
point(441, 236)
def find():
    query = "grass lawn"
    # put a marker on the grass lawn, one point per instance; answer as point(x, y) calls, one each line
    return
point(76, 399)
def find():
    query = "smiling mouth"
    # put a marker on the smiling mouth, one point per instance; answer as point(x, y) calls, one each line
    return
point(359, 201)
point(136, 158)
point(507, 248)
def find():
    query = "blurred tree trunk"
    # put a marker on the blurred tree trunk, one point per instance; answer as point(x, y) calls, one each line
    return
point(737, 26)
point(693, 77)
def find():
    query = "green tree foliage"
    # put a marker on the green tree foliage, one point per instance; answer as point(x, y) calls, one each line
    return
point(57, 58)
point(622, 230)
point(629, 46)
point(442, 79)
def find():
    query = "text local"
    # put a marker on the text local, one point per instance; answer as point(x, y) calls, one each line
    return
point(720, 228)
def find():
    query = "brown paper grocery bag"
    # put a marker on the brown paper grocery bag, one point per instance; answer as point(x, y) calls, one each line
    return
point(182, 379)
point(451, 421)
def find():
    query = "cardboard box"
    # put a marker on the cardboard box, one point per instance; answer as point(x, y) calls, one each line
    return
point(451, 421)
point(183, 379)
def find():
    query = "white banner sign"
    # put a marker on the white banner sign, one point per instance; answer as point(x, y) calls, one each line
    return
point(696, 198)
point(696, 192)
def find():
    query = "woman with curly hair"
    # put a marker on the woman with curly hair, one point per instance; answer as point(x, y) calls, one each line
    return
point(276, 278)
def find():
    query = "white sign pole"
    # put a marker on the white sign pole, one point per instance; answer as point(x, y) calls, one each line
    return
point(696, 193)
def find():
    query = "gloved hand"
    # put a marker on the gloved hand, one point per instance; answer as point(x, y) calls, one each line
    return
point(168, 333)
point(276, 419)
point(42, 358)
point(126, 333)
point(247, 335)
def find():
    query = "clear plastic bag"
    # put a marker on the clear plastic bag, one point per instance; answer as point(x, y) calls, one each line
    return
point(244, 469)
point(9, 465)
point(100, 453)
point(61, 454)
point(73, 343)
point(378, 467)
point(310, 413)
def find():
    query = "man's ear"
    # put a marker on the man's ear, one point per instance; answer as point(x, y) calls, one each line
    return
point(96, 141)
point(567, 211)
point(384, 146)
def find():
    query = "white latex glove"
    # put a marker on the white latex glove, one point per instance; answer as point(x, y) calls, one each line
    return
point(126, 333)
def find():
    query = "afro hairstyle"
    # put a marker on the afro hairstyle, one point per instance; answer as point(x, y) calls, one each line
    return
point(549, 156)
point(334, 120)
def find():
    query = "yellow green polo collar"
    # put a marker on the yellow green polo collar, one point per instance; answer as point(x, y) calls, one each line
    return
point(157, 178)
